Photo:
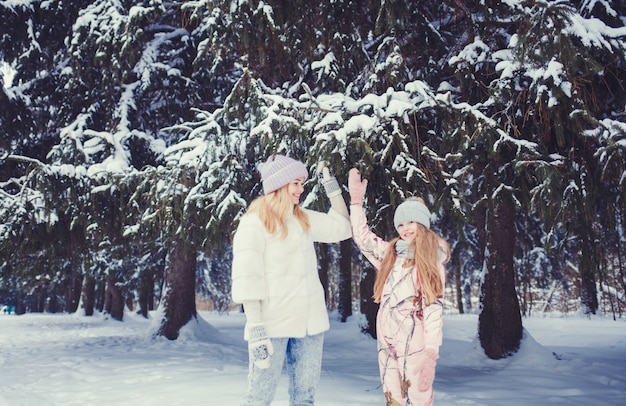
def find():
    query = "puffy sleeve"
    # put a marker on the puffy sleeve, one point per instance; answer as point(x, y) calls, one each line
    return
point(248, 270)
point(372, 246)
point(328, 227)
point(433, 325)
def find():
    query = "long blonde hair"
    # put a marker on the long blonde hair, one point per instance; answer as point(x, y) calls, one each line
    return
point(273, 209)
point(428, 247)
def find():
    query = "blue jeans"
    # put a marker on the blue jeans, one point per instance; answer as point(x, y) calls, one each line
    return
point(304, 364)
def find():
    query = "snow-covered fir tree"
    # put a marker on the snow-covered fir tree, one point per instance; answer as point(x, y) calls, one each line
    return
point(133, 129)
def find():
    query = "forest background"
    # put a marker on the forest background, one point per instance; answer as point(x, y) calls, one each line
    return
point(132, 130)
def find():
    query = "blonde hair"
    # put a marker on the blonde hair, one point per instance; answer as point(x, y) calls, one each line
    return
point(428, 247)
point(273, 209)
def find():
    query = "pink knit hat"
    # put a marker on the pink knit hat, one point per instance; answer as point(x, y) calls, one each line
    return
point(279, 170)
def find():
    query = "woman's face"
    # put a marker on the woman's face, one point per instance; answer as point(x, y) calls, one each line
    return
point(407, 230)
point(295, 189)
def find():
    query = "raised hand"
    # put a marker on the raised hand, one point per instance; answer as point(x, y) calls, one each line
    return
point(328, 181)
point(356, 186)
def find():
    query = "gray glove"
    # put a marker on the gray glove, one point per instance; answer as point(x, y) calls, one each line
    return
point(331, 186)
point(260, 348)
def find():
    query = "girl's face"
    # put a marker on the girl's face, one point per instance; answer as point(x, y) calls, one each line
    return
point(295, 189)
point(407, 230)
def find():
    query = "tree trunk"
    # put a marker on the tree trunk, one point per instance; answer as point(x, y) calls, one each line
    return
point(89, 295)
point(146, 292)
point(480, 220)
point(324, 265)
point(130, 302)
point(455, 265)
point(467, 296)
point(587, 267)
point(620, 267)
point(53, 304)
point(500, 322)
point(179, 299)
point(72, 293)
point(114, 300)
point(20, 306)
point(39, 303)
point(345, 280)
point(368, 307)
point(100, 295)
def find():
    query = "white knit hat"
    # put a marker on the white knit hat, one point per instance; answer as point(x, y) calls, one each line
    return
point(412, 210)
point(279, 170)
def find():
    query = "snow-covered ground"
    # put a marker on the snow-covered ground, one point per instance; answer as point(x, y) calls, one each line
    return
point(48, 359)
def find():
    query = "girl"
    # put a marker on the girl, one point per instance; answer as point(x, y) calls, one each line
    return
point(274, 276)
point(409, 286)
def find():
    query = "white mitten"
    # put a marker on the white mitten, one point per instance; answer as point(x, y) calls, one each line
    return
point(260, 347)
point(331, 186)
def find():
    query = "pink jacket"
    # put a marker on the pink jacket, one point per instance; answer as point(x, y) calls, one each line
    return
point(374, 249)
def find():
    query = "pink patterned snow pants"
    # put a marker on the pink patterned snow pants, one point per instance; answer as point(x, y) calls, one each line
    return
point(400, 353)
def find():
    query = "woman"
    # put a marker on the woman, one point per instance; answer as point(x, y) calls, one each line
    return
point(409, 287)
point(275, 278)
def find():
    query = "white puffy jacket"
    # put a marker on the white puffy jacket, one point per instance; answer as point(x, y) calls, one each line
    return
point(282, 273)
